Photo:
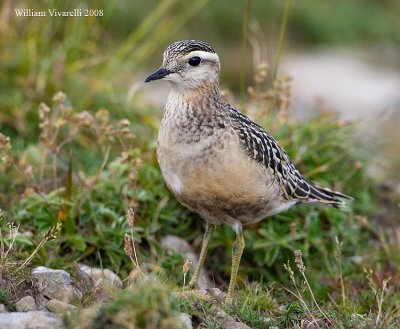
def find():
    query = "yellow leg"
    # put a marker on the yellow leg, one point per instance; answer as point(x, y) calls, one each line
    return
point(208, 234)
point(237, 252)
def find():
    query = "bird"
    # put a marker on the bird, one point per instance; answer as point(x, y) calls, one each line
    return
point(216, 161)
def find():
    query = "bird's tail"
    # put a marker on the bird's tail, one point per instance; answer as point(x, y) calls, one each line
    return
point(326, 196)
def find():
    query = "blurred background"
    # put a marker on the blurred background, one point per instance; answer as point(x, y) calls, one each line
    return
point(343, 56)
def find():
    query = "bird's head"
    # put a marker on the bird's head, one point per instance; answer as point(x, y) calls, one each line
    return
point(188, 64)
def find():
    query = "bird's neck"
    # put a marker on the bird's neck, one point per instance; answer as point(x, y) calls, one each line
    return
point(208, 90)
point(190, 110)
point(204, 98)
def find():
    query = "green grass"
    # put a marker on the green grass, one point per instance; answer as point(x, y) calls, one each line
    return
point(84, 170)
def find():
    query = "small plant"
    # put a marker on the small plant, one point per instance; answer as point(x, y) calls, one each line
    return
point(147, 305)
point(298, 294)
point(338, 257)
point(185, 270)
point(50, 235)
point(128, 247)
point(302, 270)
point(6, 240)
point(379, 292)
point(255, 305)
point(58, 189)
point(293, 313)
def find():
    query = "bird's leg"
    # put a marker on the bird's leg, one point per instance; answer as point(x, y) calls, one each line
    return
point(208, 234)
point(237, 251)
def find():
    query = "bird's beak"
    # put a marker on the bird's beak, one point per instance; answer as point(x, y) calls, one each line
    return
point(159, 74)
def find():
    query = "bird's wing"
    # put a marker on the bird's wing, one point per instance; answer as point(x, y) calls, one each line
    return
point(263, 148)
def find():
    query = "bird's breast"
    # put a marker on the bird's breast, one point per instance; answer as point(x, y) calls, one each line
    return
point(215, 178)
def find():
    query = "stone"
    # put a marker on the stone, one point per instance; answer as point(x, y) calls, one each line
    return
point(176, 243)
point(30, 320)
point(57, 306)
point(185, 321)
point(205, 295)
point(26, 304)
point(103, 290)
point(229, 322)
point(3, 309)
point(218, 294)
point(97, 273)
point(87, 314)
point(193, 294)
point(181, 246)
point(55, 284)
point(143, 277)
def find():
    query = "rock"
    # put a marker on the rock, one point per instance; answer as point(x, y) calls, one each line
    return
point(217, 293)
point(82, 279)
point(194, 294)
point(176, 243)
point(26, 304)
point(229, 322)
point(57, 306)
point(3, 308)
point(103, 290)
point(181, 246)
point(30, 320)
point(105, 274)
point(145, 277)
point(55, 284)
point(85, 319)
point(205, 295)
point(87, 314)
point(224, 320)
point(185, 320)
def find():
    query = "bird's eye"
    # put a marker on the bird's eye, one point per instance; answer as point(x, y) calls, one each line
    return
point(194, 61)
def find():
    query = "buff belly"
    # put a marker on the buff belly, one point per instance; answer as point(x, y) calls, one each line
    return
point(223, 187)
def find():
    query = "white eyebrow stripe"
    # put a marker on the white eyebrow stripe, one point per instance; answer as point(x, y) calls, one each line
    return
point(204, 55)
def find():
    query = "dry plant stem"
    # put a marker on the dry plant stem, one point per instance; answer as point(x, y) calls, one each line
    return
point(99, 135)
point(48, 236)
point(338, 255)
point(55, 171)
point(184, 282)
point(302, 269)
point(243, 59)
point(70, 138)
point(280, 49)
point(25, 176)
point(134, 252)
point(135, 264)
point(380, 300)
point(13, 233)
point(281, 39)
point(300, 298)
point(93, 183)
point(298, 295)
point(130, 240)
point(41, 174)
point(122, 144)
point(160, 206)
point(185, 270)
point(30, 181)
point(44, 157)
point(312, 295)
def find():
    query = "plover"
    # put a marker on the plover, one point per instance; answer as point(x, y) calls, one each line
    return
point(218, 162)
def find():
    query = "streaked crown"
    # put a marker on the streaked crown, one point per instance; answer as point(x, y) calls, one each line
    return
point(186, 46)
